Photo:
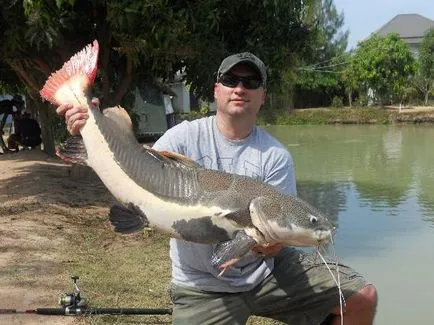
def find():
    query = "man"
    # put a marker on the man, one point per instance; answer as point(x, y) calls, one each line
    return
point(27, 133)
point(30, 131)
point(276, 282)
point(170, 113)
point(8, 107)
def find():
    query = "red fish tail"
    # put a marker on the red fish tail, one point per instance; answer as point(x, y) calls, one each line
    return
point(78, 74)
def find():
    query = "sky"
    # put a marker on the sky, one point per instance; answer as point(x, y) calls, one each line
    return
point(365, 17)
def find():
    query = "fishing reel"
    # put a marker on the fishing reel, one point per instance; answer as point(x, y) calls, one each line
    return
point(74, 305)
point(74, 299)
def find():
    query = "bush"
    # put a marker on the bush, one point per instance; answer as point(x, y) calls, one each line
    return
point(192, 115)
point(362, 100)
point(337, 102)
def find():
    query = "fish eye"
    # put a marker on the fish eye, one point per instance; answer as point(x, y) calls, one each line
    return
point(313, 219)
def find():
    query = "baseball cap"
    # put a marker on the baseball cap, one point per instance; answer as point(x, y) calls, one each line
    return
point(247, 58)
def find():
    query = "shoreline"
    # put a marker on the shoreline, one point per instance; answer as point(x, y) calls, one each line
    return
point(346, 115)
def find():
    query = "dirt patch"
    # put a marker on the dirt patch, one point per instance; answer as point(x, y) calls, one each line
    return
point(412, 109)
point(39, 206)
point(13, 297)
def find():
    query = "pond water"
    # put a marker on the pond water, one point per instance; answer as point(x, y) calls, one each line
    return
point(377, 184)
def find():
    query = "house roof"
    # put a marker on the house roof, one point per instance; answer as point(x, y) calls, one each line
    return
point(411, 27)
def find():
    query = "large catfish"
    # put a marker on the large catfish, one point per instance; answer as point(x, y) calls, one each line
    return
point(172, 193)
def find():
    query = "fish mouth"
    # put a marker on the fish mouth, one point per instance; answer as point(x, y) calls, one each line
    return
point(306, 238)
point(322, 236)
point(296, 236)
point(325, 235)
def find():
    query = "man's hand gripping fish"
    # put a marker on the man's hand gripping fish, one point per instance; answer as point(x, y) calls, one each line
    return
point(169, 191)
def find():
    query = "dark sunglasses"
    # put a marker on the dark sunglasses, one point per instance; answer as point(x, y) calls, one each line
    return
point(249, 82)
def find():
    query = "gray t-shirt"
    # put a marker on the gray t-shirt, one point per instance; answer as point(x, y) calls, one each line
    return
point(259, 156)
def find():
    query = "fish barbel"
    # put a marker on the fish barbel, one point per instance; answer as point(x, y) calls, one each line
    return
point(169, 191)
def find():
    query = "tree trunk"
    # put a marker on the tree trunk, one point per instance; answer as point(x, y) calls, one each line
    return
point(290, 101)
point(287, 99)
point(350, 98)
point(426, 97)
point(46, 116)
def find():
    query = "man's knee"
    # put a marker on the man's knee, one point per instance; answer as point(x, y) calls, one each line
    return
point(365, 300)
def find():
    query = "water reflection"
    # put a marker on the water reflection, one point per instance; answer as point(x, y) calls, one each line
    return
point(377, 182)
point(387, 166)
point(427, 207)
point(392, 143)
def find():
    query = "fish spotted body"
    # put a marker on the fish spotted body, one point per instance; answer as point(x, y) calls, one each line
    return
point(172, 193)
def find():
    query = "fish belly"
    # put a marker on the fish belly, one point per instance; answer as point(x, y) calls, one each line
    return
point(162, 214)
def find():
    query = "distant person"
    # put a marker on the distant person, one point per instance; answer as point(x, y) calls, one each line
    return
point(8, 107)
point(30, 132)
point(27, 133)
point(170, 113)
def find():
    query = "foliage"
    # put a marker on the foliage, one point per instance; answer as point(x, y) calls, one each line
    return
point(426, 55)
point(9, 83)
point(154, 39)
point(149, 40)
point(277, 31)
point(362, 100)
point(320, 72)
point(328, 116)
point(424, 78)
point(333, 40)
point(192, 115)
point(384, 65)
point(337, 102)
point(348, 77)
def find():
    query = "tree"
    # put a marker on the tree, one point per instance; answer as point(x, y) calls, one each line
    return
point(384, 65)
point(331, 39)
point(277, 31)
point(348, 77)
point(148, 41)
point(424, 79)
point(9, 82)
point(319, 71)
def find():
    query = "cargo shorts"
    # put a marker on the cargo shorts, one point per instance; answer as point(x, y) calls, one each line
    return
point(299, 291)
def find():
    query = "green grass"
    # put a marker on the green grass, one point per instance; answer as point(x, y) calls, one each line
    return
point(328, 116)
point(124, 271)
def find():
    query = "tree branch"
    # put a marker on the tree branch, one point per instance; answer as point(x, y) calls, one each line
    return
point(125, 83)
point(22, 71)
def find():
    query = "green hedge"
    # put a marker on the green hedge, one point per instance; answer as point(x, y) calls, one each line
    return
point(328, 116)
point(357, 115)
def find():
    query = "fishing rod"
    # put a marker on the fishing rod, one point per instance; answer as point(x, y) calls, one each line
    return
point(72, 304)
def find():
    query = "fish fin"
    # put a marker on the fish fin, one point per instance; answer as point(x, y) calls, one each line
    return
point(177, 157)
point(120, 116)
point(127, 220)
point(81, 68)
point(230, 252)
point(226, 265)
point(172, 157)
point(73, 150)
